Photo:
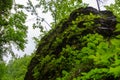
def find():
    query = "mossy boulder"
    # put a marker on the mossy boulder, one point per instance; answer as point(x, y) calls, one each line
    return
point(78, 48)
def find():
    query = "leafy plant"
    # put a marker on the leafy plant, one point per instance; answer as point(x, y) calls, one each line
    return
point(16, 68)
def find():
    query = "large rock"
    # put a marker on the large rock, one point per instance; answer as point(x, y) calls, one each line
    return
point(81, 22)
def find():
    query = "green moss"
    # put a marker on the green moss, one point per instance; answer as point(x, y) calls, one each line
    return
point(76, 49)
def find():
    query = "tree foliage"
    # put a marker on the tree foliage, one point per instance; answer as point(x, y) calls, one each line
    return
point(115, 9)
point(15, 69)
point(12, 29)
point(2, 69)
point(59, 10)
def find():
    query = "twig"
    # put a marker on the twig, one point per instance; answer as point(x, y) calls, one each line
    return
point(37, 14)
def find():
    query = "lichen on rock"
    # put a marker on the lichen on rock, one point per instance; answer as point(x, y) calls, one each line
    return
point(60, 52)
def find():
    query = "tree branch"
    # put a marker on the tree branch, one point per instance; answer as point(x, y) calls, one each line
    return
point(37, 14)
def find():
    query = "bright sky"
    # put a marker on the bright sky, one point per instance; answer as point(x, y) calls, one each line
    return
point(94, 4)
point(30, 20)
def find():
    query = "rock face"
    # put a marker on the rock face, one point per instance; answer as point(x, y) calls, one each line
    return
point(81, 22)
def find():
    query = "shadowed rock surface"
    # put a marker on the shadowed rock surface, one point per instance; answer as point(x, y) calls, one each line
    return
point(64, 34)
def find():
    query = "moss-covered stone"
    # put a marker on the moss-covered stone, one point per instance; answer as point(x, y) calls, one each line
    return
point(60, 51)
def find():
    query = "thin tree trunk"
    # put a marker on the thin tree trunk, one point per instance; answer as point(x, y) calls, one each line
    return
point(98, 4)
